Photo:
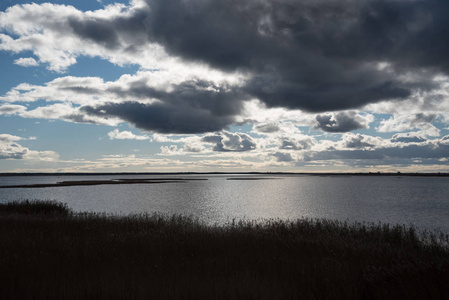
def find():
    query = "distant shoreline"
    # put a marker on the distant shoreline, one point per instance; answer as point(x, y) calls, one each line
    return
point(98, 182)
point(232, 173)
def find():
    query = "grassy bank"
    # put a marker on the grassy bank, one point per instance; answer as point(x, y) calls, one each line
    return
point(48, 252)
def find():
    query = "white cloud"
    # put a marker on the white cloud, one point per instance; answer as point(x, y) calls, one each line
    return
point(406, 122)
point(9, 109)
point(26, 62)
point(126, 135)
point(255, 111)
point(9, 138)
point(66, 112)
point(9, 149)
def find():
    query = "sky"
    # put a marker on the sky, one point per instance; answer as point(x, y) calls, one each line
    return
point(224, 86)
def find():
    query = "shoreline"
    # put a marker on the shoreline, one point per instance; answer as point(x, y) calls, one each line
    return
point(431, 174)
point(98, 182)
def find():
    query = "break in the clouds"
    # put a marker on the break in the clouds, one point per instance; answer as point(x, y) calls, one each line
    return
point(305, 81)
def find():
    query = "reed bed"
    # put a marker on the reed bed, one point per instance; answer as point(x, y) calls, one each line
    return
point(50, 252)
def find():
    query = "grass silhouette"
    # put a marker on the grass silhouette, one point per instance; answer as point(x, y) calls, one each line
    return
point(50, 252)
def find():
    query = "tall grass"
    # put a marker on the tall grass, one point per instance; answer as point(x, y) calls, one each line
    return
point(35, 207)
point(153, 256)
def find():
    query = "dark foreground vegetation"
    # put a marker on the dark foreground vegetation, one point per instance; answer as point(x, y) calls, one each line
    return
point(49, 252)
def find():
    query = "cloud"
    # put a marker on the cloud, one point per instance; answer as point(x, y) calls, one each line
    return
point(9, 149)
point(343, 122)
point(193, 106)
point(315, 56)
point(7, 138)
point(157, 101)
point(161, 117)
point(231, 142)
point(9, 109)
point(295, 143)
point(205, 66)
point(26, 62)
point(126, 135)
point(66, 112)
point(407, 139)
point(266, 128)
point(170, 150)
point(431, 149)
point(358, 141)
point(404, 122)
point(191, 145)
point(283, 157)
point(410, 137)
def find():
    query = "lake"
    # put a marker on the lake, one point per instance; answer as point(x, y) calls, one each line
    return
point(422, 201)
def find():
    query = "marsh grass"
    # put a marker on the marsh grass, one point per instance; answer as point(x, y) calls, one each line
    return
point(154, 256)
point(35, 207)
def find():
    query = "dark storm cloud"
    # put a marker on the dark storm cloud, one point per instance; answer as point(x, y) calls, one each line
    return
point(312, 55)
point(189, 108)
point(319, 55)
point(198, 95)
point(162, 117)
point(100, 31)
point(340, 122)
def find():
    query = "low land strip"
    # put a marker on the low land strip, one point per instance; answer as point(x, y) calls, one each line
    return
point(98, 182)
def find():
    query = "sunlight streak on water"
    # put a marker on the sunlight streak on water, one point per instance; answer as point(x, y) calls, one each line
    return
point(422, 201)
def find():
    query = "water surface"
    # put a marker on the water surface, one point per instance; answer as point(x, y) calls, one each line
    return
point(422, 201)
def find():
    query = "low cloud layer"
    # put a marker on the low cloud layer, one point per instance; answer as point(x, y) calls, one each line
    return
point(437, 149)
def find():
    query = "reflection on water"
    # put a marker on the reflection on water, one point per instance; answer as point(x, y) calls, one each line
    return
point(418, 200)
